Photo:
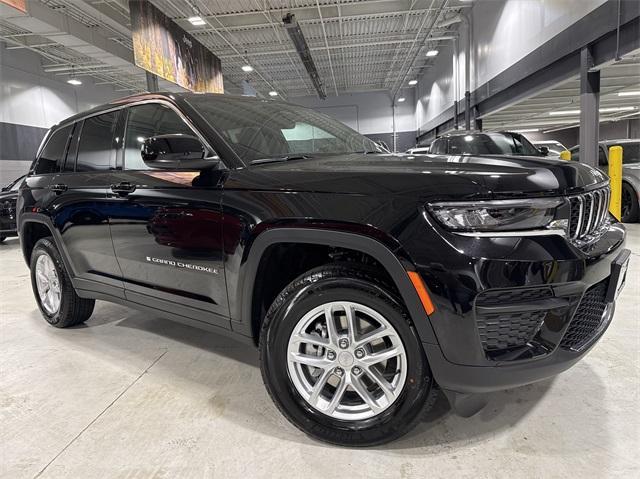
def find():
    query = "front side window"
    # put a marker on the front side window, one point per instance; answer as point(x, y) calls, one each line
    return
point(439, 147)
point(630, 153)
point(145, 121)
point(270, 129)
point(95, 149)
point(602, 157)
point(53, 152)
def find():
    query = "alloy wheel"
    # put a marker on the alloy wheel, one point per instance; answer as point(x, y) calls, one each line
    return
point(347, 361)
point(48, 284)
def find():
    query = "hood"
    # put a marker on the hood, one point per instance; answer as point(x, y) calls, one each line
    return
point(445, 177)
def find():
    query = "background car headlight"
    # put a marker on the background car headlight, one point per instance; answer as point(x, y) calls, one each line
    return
point(499, 215)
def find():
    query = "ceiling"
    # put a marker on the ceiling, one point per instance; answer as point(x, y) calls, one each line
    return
point(357, 45)
point(558, 107)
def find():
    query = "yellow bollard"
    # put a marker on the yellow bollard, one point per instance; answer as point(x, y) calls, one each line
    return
point(615, 174)
point(565, 155)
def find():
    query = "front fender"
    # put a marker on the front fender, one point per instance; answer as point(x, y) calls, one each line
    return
point(396, 268)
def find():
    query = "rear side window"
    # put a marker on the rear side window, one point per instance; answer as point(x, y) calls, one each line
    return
point(53, 152)
point(145, 121)
point(95, 149)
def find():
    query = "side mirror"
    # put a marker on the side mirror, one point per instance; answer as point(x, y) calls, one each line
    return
point(544, 150)
point(176, 152)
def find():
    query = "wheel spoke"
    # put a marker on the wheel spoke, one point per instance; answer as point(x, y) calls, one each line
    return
point(318, 387)
point(308, 360)
point(365, 395)
point(312, 339)
point(337, 396)
point(351, 323)
point(379, 333)
point(331, 324)
point(376, 358)
point(382, 383)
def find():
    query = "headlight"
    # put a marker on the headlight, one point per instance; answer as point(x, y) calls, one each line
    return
point(499, 215)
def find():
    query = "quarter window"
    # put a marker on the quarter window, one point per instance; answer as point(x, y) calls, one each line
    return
point(95, 149)
point(53, 152)
point(146, 121)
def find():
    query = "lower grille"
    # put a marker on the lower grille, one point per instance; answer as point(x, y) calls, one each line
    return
point(587, 318)
point(508, 330)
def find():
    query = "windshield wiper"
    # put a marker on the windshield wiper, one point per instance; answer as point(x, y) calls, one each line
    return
point(280, 158)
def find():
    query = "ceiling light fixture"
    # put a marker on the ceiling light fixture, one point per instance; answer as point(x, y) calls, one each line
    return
point(413, 82)
point(527, 130)
point(611, 109)
point(401, 99)
point(74, 81)
point(247, 68)
point(197, 21)
point(432, 53)
point(273, 93)
point(629, 93)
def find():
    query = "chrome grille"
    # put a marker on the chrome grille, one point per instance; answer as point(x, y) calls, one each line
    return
point(588, 213)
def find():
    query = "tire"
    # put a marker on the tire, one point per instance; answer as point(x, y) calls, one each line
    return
point(72, 309)
point(2, 238)
point(630, 208)
point(349, 424)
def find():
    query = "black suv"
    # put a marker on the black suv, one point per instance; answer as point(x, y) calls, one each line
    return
point(366, 279)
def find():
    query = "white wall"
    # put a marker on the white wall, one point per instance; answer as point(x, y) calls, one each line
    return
point(367, 112)
point(29, 96)
point(504, 32)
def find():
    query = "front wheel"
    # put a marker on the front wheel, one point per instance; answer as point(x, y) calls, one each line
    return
point(630, 207)
point(341, 359)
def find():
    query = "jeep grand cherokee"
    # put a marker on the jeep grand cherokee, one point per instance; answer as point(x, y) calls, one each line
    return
point(366, 279)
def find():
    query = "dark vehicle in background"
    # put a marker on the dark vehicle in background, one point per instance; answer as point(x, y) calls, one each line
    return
point(367, 280)
point(554, 147)
point(630, 173)
point(8, 196)
point(485, 143)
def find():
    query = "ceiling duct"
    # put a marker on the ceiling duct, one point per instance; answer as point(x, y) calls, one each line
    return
point(300, 43)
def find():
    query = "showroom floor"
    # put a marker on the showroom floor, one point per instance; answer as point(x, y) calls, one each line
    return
point(134, 396)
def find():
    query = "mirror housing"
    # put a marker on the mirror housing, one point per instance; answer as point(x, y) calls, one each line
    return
point(176, 152)
point(544, 150)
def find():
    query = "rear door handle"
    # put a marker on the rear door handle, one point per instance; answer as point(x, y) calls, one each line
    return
point(59, 188)
point(123, 188)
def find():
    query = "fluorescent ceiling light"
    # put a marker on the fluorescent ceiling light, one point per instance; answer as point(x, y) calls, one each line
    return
point(432, 53)
point(527, 130)
point(401, 99)
point(564, 112)
point(617, 108)
point(629, 93)
point(247, 68)
point(413, 82)
point(197, 21)
point(273, 93)
point(74, 81)
point(611, 109)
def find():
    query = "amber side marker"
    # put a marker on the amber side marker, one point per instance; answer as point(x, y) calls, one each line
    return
point(418, 284)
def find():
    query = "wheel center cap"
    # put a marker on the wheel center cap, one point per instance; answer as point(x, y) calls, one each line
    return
point(345, 359)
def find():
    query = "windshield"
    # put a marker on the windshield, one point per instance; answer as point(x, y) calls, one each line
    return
point(269, 129)
point(492, 144)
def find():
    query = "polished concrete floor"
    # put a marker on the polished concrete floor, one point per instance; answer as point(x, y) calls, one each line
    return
point(130, 395)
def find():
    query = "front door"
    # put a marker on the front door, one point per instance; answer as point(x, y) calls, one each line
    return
point(167, 226)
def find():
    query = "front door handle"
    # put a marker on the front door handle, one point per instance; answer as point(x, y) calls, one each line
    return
point(123, 188)
point(59, 188)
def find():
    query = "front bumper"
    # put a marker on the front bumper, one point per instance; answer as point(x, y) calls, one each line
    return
point(512, 311)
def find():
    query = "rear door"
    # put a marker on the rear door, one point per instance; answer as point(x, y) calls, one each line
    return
point(167, 225)
point(81, 207)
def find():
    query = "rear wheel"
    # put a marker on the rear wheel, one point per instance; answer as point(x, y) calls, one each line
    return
point(57, 299)
point(342, 361)
point(630, 206)
point(2, 238)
